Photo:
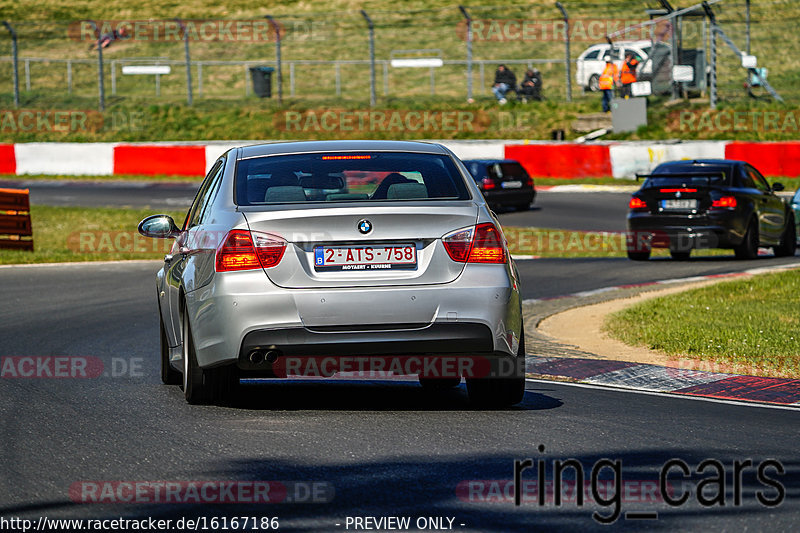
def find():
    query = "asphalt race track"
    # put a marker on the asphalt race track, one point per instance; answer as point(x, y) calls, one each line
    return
point(347, 449)
point(378, 448)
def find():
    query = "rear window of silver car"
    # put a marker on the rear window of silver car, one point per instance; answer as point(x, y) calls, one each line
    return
point(348, 177)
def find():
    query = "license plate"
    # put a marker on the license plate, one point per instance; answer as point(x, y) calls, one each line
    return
point(375, 257)
point(511, 184)
point(679, 204)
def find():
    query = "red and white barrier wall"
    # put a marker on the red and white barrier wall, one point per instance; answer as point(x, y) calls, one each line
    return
point(541, 158)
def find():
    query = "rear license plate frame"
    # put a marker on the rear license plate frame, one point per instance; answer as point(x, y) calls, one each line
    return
point(678, 204)
point(360, 263)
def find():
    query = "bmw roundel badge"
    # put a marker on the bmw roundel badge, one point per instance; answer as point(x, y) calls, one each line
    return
point(364, 226)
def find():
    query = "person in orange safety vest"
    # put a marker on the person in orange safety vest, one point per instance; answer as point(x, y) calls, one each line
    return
point(608, 80)
point(628, 74)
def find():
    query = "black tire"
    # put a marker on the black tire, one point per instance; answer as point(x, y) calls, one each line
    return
point(497, 393)
point(679, 255)
point(639, 256)
point(169, 376)
point(198, 385)
point(788, 244)
point(437, 384)
point(225, 382)
point(594, 83)
point(749, 247)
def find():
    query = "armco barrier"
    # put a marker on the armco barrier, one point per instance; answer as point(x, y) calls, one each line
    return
point(8, 161)
point(157, 159)
point(770, 158)
point(567, 160)
point(620, 159)
point(16, 231)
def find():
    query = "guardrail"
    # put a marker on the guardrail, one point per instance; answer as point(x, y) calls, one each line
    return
point(16, 230)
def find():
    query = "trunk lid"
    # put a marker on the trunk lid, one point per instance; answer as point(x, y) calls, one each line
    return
point(312, 230)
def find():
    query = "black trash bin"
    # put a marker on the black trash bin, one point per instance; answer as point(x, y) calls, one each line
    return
point(262, 81)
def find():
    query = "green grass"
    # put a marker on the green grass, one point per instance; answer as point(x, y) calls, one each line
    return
point(744, 326)
point(66, 234)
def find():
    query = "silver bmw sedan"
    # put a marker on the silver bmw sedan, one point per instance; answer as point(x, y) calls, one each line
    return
point(318, 258)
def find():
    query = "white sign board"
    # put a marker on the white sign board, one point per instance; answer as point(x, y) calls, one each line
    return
point(749, 61)
point(417, 63)
point(682, 73)
point(146, 69)
point(641, 88)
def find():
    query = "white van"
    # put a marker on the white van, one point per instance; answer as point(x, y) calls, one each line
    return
point(591, 62)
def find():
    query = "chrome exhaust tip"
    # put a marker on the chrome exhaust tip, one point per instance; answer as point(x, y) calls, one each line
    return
point(256, 357)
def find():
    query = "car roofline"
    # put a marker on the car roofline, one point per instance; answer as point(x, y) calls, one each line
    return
point(311, 147)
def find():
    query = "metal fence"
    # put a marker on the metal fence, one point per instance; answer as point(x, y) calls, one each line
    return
point(348, 55)
point(484, 73)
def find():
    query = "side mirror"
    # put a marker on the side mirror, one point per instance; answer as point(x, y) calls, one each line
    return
point(777, 186)
point(159, 227)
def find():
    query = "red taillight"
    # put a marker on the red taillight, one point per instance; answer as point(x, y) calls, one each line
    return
point(529, 181)
point(637, 203)
point(487, 246)
point(487, 184)
point(481, 244)
point(458, 244)
point(728, 202)
point(238, 252)
point(678, 190)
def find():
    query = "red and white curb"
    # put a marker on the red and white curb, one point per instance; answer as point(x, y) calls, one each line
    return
point(653, 378)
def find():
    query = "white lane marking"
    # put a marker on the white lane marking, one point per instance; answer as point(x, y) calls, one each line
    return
point(584, 294)
point(676, 396)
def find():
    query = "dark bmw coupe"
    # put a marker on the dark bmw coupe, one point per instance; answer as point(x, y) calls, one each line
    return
point(709, 203)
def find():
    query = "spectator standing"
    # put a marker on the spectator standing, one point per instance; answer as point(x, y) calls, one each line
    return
point(608, 80)
point(504, 81)
point(531, 86)
point(628, 74)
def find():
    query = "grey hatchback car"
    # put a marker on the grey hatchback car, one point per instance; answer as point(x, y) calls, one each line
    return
point(346, 254)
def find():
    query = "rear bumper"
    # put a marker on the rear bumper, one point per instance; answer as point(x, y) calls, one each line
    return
point(237, 312)
point(648, 231)
point(436, 350)
point(510, 196)
point(430, 339)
